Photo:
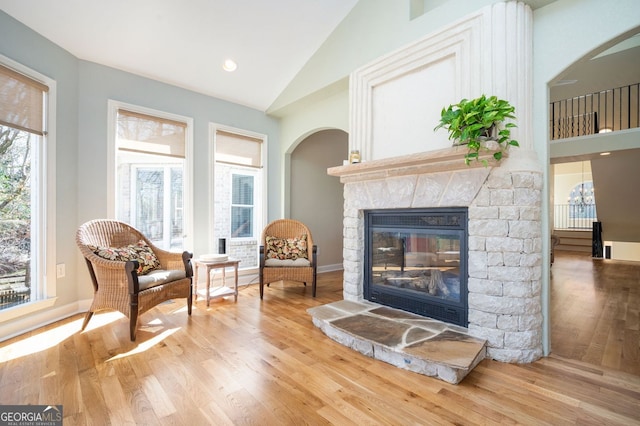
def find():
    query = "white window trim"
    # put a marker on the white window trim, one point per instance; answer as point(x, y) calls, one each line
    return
point(213, 128)
point(113, 107)
point(46, 201)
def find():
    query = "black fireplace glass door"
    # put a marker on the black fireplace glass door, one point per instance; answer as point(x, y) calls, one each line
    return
point(417, 261)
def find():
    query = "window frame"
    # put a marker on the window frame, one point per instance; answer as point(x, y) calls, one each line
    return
point(46, 203)
point(260, 191)
point(112, 173)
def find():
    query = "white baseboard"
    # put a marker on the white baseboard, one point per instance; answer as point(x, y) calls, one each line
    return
point(330, 268)
point(36, 320)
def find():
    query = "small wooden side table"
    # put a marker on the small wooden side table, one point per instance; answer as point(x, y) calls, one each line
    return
point(223, 290)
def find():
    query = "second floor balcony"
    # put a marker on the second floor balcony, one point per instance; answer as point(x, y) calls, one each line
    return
point(605, 111)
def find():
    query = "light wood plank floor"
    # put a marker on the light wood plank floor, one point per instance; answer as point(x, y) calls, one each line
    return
point(264, 363)
point(594, 311)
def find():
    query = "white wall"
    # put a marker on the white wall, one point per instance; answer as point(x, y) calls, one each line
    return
point(372, 29)
point(624, 251)
point(567, 176)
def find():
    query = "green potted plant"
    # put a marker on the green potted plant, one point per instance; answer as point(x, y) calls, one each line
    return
point(473, 122)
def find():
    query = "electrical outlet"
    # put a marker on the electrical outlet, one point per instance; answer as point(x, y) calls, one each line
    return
point(60, 270)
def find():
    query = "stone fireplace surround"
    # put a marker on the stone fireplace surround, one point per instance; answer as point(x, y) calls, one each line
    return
point(504, 227)
point(395, 103)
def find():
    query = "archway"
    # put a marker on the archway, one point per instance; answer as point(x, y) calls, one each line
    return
point(571, 332)
point(315, 198)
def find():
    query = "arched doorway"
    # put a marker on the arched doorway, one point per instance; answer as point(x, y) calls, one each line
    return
point(585, 332)
point(315, 198)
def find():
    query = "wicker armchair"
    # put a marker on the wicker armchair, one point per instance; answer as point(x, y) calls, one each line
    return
point(287, 270)
point(117, 284)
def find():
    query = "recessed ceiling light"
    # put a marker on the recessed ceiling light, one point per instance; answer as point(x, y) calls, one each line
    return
point(229, 65)
point(605, 153)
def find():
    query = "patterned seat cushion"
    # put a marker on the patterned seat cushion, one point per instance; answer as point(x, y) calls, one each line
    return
point(286, 248)
point(139, 251)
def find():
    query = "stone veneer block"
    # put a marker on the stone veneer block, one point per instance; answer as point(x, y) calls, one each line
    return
point(387, 332)
point(463, 187)
point(449, 348)
point(429, 189)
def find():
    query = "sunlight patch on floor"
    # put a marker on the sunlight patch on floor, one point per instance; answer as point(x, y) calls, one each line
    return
point(50, 338)
point(147, 344)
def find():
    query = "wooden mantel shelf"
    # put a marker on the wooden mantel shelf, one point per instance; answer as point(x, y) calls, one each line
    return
point(448, 159)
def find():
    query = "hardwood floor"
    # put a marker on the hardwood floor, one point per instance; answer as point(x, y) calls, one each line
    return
point(594, 311)
point(264, 363)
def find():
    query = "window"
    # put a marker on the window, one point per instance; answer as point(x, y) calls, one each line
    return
point(156, 203)
point(582, 201)
point(238, 189)
point(25, 212)
point(242, 206)
point(150, 161)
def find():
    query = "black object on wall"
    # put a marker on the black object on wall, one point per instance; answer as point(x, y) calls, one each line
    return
point(597, 246)
point(222, 246)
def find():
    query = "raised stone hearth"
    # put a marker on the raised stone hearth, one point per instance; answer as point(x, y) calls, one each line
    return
point(402, 339)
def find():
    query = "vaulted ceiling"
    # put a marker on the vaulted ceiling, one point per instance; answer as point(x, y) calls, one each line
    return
point(185, 43)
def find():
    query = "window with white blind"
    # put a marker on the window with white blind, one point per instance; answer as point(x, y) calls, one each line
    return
point(26, 213)
point(238, 193)
point(151, 174)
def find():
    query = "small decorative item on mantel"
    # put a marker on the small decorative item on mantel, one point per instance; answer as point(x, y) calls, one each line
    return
point(354, 157)
point(476, 122)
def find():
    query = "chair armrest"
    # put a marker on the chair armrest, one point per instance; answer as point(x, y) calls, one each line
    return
point(186, 261)
point(314, 255)
point(131, 268)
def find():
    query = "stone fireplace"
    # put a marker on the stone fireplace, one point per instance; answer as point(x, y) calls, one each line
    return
point(395, 103)
point(504, 237)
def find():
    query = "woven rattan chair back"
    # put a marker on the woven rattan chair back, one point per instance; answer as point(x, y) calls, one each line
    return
point(288, 228)
point(115, 283)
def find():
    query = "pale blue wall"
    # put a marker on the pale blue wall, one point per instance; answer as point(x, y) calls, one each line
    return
point(83, 91)
point(22, 45)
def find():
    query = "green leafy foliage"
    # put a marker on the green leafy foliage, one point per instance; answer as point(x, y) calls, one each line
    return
point(15, 202)
point(472, 122)
point(15, 174)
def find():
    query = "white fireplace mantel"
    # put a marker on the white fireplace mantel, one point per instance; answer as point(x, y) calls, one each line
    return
point(448, 159)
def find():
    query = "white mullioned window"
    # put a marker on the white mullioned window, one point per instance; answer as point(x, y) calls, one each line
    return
point(27, 190)
point(239, 194)
point(152, 174)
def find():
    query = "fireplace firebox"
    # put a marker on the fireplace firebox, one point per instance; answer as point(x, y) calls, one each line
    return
point(416, 260)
